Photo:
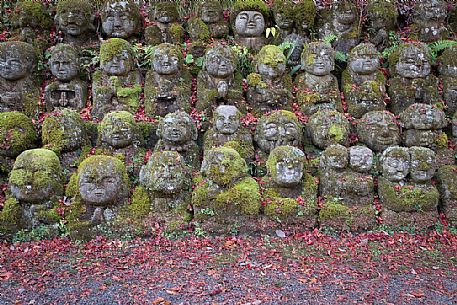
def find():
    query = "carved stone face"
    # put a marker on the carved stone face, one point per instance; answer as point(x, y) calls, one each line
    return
point(423, 116)
point(165, 13)
point(227, 119)
point(418, 137)
point(64, 65)
point(66, 128)
point(334, 157)
point(360, 158)
point(166, 60)
point(270, 62)
point(177, 128)
point(14, 65)
point(119, 19)
point(364, 59)
point(119, 64)
point(211, 12)
point(344, 13)
point(432, 10)
point(74, 21)
point(285, 165)
point(117, 129)
point(282, 21)
point(422, 164)
point(378, 130)
point(36, 176)
point(101, 180)
point(318, 59)
point(223, 166)
point(413, 63)
point(395, 163)
point(270, 71)
point(220, 62)
point(328, 127)
point(249, 24)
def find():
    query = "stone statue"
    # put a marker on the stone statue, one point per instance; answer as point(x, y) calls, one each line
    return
point(211, 13)
point(422, 125)
point(270, 87)
point(36, 183)
point(168, 84)
point(382, 19)
point(327, 127)
point(359, 184)
point(227, 198)
point(199, 35)
point(447, 179)
point(68, 91)
point(363, 84)
point(249, 20)
point(117, 85)
point(378, 130)
point(177, 132)
point(448, 77)
point(19, 89)
point(412, 81)
point(333, 171)
point(305, 13)
point(284, 17)
point(75, 19)
point(317, 87)
point(121, 19)
point(429, 20)
point(165, 27)
point(218, 83)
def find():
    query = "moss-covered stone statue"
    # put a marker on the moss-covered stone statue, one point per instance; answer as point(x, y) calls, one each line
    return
point(327, 127)
point(413, 202)
point(412, 83)
point(19, 89)
point(317, 87)
point(249, 19)
point(65, 133)
point(36, 185)
point(333, 164)
point(225, 198)
point(227, 130)
point(117, 85)
point(121, 19)
point(422, 125)
point(165, 27)
point(343, 22)
point(68, 90)
point(218, 83)
point(200, 38)
point(448, 76)
point(283, 16)
point(447, 185)
point(177, 132)
point(168, 182)
point(362, 82)
point(270, 87)
point(211, 13)
point(168, 84)
point(75, 20)
point(382, 19)
point(378, 130)
point(429, 20)
point(17, 134)
point(304, 14)
point(289, 191)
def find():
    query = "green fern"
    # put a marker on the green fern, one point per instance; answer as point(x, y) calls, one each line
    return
point(340, 56)
point(330, 38)
point(439, 46)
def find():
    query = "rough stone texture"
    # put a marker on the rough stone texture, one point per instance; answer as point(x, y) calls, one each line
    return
point(378, 130)
point(327, 127)
point(166, 28)
point(211, 13)
point(447, 185)
point(382, 18)
point(448, 76)
point(121, 19)
point(430, 20)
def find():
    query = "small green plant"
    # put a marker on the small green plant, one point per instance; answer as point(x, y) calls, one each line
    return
point(39, 233)
point(208, 211)
point(199, 232)
point(438, 46)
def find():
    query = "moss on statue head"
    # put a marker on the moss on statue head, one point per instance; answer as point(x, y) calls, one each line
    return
point(165, 6)
point(250, 5)
point(115, 47)
point(170, 50)
point(21, 50)
point(198, 30)
point(130, 7)
point(316, 47)
point(305, 12)
point(224, 166)
point(383, 9)
point(285, 8)
point(17, 133)
point(33, 12)
point(282, 153)
point(270, 55)
point(71, 5)
point(416, 47)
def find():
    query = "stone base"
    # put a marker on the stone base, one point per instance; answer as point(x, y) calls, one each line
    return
point(343, 218)
point(417, 221)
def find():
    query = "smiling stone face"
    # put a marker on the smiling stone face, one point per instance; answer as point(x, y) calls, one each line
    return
point(177, 128)
point(17, 60)
point(360, 158)
point(364, 59)
point(220, 61)
point(249, 24)
point(211, 11)
point(378, 130)
point(285, 165)
point(166, 59)
point(395, 163)
point(327, 127)
point(413, 61)
point(116, 57)
point(117, 129)
point(120, 18)
point(73, 17)
point(318, 58)
point(423, 165)
point(227, 119)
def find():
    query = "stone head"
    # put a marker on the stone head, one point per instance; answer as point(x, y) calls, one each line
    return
point(278, 128)
point(36, 176)
point(395, 163)
point(270, 62)
point(32, 14)
point(360, 158)
point(423, 164)
point(363, 59)
point(448, 62)
point(116, 57)
point(17, 133)
point(305, 11)
point(423, 116)
point(318, 58)
point(166, 59)
point(283, 14)
point(285, 165)
point(414, 61)
point(430, 10)
point(223, 166)
point(177, 128)
point(103, 181)
point(227, 119)
point(345, 12)
point(64, 131)
point(378, 130)
point(220, 61)
point(64, 62)
point(420, 137)
point(210, 11)
point(118, 130)
point(334, 157)
point(74, 17)
point(164, 12)
point(198, 31)
point(382, 14)
point(121, 18)
point(327, 127)
point(249, 18)
point(17, 60)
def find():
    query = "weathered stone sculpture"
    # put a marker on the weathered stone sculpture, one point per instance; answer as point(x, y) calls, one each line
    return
point(328, 127)
point(382, 19)
point(412, 81)
point(430, 20)
point(363, 84)
point(18, 89)
point(332, 171)
point(305, 13)
point(68, 91)
point(227, 199)
point(249, 20)
point(218, 83)
point(117, 85)
point(121, 19)
point(284, 17)
point(211, 13)
point(270, 87)
point(378, 130)
point(168, 85)
point(447, 185)
point(359, 183)
point(317, 87)
point(177, 132)
point(166, 27)
point(448, 76)
point(227, 130)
